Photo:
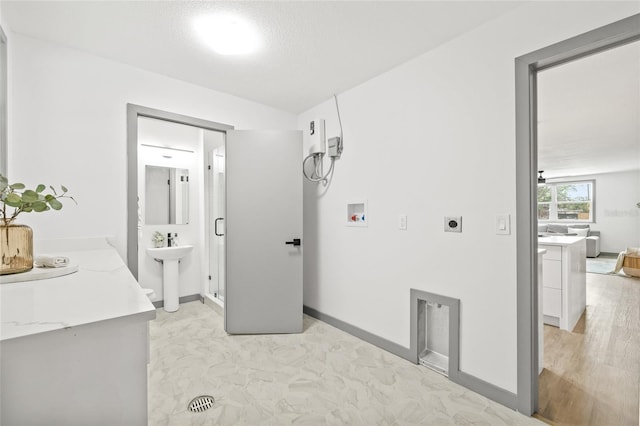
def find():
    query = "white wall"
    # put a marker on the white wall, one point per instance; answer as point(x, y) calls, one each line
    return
point(434, 137)
point(68, 126)
point(617, 217)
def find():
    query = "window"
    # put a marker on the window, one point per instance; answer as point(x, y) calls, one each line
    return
point(566, 201)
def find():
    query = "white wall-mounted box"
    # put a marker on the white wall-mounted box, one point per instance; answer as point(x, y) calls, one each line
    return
point(357, 213)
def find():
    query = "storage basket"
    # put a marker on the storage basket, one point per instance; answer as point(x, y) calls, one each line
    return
point(631, 265)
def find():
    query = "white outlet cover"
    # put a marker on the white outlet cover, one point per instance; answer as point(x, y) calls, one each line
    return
point(453, 223)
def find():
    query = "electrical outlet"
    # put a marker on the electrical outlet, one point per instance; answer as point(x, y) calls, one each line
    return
point(453, 224)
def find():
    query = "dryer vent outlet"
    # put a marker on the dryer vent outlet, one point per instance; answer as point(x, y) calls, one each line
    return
point(453, 224)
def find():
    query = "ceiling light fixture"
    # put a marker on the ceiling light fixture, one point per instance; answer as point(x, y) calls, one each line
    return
point(167, 147)
point(228, 34)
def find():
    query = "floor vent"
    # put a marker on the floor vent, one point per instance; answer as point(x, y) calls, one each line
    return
point(201, 403)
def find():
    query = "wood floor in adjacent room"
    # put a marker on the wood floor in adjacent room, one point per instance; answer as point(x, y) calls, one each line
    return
point(592, 375)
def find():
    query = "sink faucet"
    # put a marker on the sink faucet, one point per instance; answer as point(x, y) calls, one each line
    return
point(172, 240)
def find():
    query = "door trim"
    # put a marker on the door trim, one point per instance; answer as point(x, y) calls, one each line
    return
point(526, 68)
point(133, 112)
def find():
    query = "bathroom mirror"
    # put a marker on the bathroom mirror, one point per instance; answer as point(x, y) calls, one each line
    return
point(166, 196)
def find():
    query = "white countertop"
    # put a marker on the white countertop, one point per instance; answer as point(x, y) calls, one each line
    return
point(102, 289)
point(558, 240)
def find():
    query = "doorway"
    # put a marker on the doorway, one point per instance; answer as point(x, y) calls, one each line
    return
point(588, 147)
point(526, 69)
point(258, 213)
point(210, 132)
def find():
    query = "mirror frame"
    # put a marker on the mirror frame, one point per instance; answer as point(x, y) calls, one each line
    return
point(133, 113)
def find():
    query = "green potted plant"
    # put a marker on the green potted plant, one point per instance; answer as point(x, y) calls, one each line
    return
point(158, 239)
point(16, 241)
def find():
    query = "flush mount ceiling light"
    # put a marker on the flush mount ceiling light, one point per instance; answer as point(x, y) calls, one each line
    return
point(228, 34)
point(166, 147)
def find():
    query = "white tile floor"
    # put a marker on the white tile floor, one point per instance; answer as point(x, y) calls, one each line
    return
point(322, 376)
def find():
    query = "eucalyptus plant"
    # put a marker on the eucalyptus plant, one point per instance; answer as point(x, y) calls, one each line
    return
point(16, 199)
point(157, 237)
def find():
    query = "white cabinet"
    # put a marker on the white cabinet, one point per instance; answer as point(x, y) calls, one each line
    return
point(552, 283)
point(540, 315)
point(564, 280)
point(93, 374)
point(75, 348)
point(552, 270)
point(552, 304)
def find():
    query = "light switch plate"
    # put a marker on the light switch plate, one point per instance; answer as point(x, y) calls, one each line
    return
point(503, 224)
point(453, 224)
point(402, 222)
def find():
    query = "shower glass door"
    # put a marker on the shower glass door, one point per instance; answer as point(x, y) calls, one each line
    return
point(216, 178)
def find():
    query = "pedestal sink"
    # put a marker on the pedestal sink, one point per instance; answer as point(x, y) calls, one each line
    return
point(170, 256)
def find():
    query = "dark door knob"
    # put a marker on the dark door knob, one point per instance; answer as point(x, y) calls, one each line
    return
point(295, 242)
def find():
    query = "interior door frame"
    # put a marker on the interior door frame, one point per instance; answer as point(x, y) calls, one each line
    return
point(526, 68)
point(133, 113)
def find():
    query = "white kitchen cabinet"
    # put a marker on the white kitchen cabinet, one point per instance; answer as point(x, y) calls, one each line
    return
point(564, 280)
point(541, 252)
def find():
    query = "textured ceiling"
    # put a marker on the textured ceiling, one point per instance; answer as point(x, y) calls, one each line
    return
point(589, 114)
point(311, 49)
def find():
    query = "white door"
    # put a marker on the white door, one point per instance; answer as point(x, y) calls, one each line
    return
point(263, 232)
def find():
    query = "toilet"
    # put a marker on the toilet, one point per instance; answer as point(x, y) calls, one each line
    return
point(149, 293)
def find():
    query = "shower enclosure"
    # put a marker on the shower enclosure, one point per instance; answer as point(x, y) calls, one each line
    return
point(215, 240)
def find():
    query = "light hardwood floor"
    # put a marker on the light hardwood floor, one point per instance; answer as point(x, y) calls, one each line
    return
point(592, 375)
